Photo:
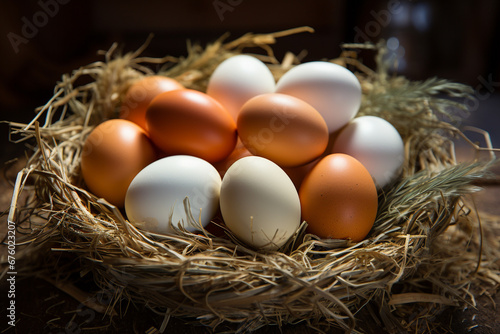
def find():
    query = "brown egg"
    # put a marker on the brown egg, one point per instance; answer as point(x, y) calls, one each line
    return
point(191, 122)
point(282, 128)
point(298, 173)
point(141, 93)
point(239, 152)
point(339, 199)
point(113, 153)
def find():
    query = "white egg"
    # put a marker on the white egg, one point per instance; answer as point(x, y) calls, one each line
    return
point(238, 79)
point(331, 89)
point(158, 192)
point(376, 144)
point(259, 203)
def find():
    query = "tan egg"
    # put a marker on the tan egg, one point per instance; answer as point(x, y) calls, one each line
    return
point(141, 93)
point(339, 199)
point(283, 129)
point(239, 152)
point(113, 154)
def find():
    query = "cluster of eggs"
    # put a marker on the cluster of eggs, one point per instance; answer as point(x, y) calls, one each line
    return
point(265, 155)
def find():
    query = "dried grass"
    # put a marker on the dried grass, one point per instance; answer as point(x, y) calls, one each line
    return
point(423, 254)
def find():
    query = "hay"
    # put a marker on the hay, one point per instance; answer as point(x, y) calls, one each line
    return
point(422, 255)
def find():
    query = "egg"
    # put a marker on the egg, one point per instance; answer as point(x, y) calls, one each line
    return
point(157, 194)
point(237, 79)
point(298, 173)
point(282, 128)
point(141, 93)
point(112, 155)
point(376, 144)
point(331, 89)
point(190, 122)
point(259, 203)
point(339, 198)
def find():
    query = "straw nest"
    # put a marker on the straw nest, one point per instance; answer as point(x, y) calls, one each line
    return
point(424, 252)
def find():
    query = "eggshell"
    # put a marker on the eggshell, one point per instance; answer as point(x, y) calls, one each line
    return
point(239, 152)
point(259, 203)
point(238, 79)
point(141, 93)
point(376, 144)
point(298, 173)
point(339, 198)
point(190, 122)
point(113, 153)
point(158, 192)
point(331, 89)
point(283, 129)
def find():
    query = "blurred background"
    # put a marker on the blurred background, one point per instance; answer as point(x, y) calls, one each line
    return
point(43, 39)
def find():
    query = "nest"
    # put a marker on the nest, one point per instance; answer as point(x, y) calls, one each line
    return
point(424, 253)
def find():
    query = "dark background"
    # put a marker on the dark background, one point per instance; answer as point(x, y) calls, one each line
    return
point(42, 39)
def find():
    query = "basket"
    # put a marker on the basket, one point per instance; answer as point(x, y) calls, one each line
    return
point(421, 256)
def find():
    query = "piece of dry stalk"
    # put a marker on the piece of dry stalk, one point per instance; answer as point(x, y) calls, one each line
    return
point(422, 242)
